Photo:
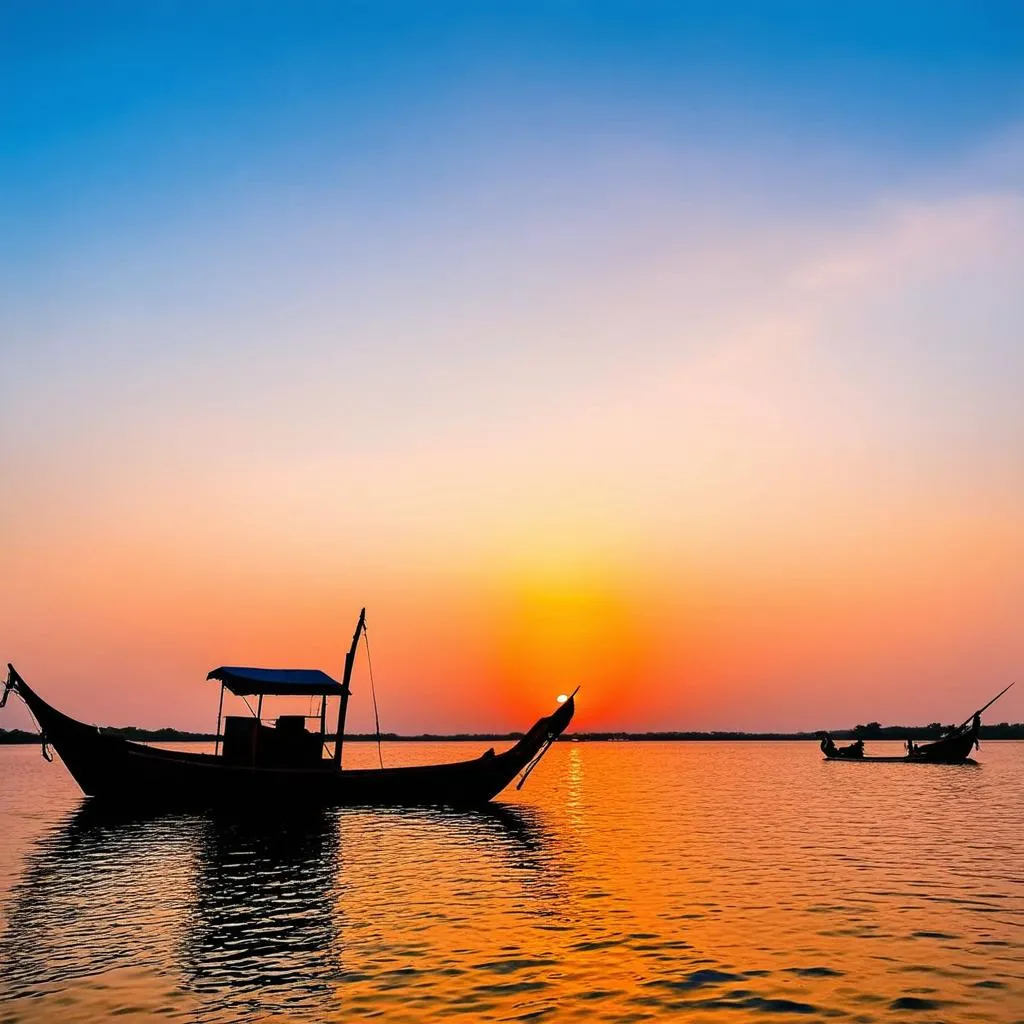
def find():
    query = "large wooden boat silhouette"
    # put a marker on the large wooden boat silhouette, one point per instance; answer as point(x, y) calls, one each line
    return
point(253, 761)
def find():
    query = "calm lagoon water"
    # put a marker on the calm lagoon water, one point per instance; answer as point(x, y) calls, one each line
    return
point(626, 882)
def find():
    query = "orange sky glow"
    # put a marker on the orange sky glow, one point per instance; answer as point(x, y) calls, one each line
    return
point(721, 424)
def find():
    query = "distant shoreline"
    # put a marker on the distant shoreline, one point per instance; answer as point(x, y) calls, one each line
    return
point(1002, 731)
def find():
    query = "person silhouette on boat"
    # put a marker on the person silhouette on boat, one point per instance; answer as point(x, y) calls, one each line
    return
point(853, 750)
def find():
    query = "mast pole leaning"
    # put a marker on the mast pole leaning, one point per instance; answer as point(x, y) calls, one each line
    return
point(345, 690)
point(987, 706)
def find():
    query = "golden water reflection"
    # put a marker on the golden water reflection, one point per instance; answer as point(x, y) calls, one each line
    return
point(252, 916)
point(730, 881)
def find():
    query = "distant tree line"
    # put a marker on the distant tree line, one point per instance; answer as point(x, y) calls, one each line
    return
point(1003, 731)
point(18, 736)
point(873, 730)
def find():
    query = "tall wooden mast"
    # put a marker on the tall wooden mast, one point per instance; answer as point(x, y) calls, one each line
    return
point(345, 691)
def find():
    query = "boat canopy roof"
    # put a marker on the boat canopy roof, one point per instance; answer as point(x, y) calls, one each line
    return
point(277, 682)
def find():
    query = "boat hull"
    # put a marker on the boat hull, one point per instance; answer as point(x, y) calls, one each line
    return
point(954, 749)
point(119, 771)
point(899, 760)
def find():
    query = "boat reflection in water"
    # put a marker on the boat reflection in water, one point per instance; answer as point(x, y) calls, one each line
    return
point(262, 928)
point(233, 919)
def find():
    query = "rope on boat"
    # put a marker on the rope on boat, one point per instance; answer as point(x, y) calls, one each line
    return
point(536, 761)
point(8, 686)
point(373, 692)
point(47, 755)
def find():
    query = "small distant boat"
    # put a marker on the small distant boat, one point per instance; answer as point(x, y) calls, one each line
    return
point(284, 762)
point(953, 748)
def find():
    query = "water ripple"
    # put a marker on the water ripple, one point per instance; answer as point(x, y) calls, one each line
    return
point(712, 880)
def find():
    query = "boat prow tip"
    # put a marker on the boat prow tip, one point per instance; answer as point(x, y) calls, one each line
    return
point(563, 714)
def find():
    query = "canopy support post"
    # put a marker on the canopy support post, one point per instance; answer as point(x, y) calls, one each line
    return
point(323, 724)
point(345, 690)
point(259, 709)
point(220, 712)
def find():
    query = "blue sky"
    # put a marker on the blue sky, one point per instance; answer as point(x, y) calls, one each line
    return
point(159, 101)
point(207, 141)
